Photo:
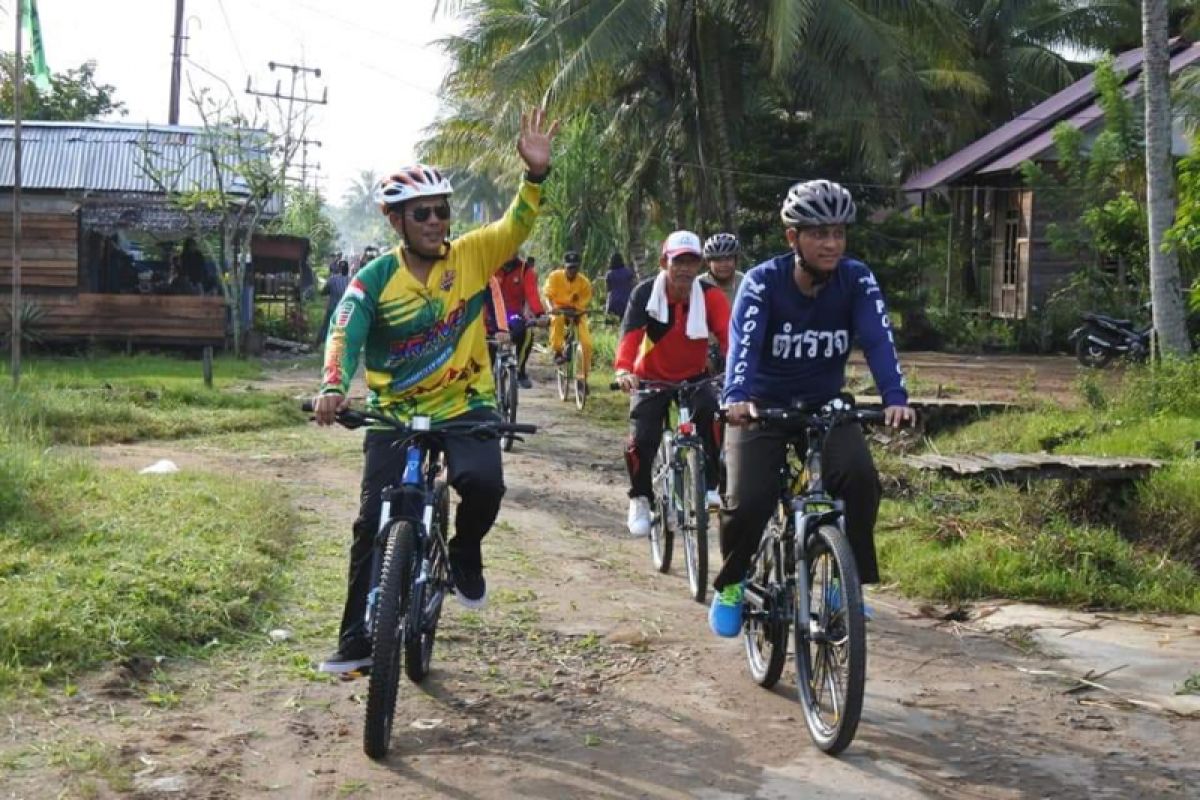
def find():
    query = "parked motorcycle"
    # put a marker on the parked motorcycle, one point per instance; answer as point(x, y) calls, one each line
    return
point(1102, 338)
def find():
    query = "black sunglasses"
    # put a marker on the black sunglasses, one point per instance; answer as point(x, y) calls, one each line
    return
point(422, 213)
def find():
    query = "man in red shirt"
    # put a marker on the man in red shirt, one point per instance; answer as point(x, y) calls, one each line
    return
point(518, 286)
point(664, 337)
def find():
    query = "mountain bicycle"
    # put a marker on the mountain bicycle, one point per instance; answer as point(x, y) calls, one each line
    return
point(410, 565)
point(572, 352)
point(504, 372)
point(804, 576)
point(678, 504)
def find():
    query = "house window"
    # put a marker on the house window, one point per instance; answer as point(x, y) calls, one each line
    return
point(1012, 230)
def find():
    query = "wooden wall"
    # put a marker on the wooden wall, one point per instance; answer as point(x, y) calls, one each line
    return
point(149, 319)
point(49, 250)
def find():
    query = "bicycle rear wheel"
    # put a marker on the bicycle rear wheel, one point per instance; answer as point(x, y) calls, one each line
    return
point(383, 684)
point(831, 646)
point(662, 532)
point(507, 395)
point(420, 629)
point(766, 629)
point(695, 523)
point(581, 385)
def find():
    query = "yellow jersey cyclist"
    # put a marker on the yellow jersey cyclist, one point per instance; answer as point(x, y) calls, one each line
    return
point(794, 320)
point(417, 315)
point(569, 289)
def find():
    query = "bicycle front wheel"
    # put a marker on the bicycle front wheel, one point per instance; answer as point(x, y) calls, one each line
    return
point(383, 684)
point(662, 522)
point(695, 523)
point(831, 646)
point(565, 372)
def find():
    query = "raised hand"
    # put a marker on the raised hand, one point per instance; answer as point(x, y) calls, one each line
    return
point(534, 142)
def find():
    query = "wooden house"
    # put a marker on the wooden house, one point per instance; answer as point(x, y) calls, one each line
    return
point(99, 236)
point(1001, 257)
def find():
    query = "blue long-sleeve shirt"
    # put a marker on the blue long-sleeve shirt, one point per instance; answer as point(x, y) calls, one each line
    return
point(786, 347)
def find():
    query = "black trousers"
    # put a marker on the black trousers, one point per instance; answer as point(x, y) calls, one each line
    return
point(753, 458)
point(476, 474)
point(646, 416)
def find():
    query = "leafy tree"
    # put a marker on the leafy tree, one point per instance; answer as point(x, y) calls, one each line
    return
point(74, 95)
point(305, 215)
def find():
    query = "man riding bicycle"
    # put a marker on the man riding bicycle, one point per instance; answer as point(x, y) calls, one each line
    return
point(417, 313)
point(793, 323)
point(518, 287)
point(664, 338)
point(568, 290)
point(721, 251)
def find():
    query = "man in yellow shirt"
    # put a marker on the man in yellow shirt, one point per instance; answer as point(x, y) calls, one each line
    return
point(568, 290)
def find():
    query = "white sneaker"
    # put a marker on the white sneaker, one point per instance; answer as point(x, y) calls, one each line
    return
point(712, 499)
point(639, 516)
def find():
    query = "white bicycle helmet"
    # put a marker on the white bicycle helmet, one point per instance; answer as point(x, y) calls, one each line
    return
point(721, 245)
point(418, 180)
point(811, 203)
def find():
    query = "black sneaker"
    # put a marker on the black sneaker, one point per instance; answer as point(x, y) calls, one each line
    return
point(469, 586)
point(524, 381)
point(351, 656)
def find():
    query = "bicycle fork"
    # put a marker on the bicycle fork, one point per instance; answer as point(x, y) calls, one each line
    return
point(404, 495)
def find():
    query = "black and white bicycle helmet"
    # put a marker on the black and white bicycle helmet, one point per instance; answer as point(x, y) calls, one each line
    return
point(812, 203)
point(721, 245)
point(418, 180)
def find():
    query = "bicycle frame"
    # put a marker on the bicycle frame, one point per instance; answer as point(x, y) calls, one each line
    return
point(414, 497)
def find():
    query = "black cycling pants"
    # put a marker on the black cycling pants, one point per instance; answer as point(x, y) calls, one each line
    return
point(753, 458)
point(646, 416)
point(476, 474)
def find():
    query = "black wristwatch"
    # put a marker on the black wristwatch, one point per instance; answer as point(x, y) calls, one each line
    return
point(543, 177)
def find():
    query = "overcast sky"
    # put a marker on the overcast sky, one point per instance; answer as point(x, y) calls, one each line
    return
point(376, 59)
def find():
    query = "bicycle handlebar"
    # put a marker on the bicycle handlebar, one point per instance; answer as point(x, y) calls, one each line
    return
point(354, 418)
point(646, 388)
point(826, 415)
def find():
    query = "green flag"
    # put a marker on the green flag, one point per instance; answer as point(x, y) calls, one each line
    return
point(33, 27)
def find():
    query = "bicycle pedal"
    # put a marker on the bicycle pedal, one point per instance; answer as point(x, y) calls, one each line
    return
point(346, 677)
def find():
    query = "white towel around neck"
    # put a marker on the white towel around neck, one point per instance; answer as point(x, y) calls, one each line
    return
point(659, 307)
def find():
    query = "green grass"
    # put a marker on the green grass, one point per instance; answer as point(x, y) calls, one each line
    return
point(125, 399)
point(1079, 543)
point(958, 542)
point(98, 564)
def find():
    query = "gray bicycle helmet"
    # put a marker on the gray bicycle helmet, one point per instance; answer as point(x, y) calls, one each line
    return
point(812, 203)
point(721, 245)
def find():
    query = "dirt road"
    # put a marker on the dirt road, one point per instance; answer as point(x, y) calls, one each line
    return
point(588, 676)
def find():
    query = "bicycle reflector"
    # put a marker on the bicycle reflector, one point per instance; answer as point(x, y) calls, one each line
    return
point(687, 428)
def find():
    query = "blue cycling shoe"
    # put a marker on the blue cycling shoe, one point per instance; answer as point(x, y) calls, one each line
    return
point(725, 613)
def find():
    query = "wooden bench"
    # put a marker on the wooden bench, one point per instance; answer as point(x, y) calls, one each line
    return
point(1024, 467)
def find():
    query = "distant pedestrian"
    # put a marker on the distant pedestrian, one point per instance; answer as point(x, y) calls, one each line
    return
point(335, 287)
point(619, 281)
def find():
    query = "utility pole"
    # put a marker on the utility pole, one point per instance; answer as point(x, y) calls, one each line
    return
point(304, 143)
point(292, 98)
point(18, 93)
point(176, 65)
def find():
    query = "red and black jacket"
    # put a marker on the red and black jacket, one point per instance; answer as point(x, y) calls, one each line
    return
point(662, 351)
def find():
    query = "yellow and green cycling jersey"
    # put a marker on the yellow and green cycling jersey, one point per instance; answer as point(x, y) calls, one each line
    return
point(424, 344)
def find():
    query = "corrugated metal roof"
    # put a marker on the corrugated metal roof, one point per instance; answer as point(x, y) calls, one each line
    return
point(1042, 117)
point(1090, 116)
point(110, 157)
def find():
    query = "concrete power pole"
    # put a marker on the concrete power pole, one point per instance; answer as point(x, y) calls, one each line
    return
point(18, 93)
point(176, 65)
point(292, 98)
